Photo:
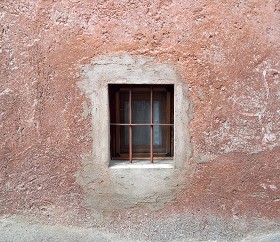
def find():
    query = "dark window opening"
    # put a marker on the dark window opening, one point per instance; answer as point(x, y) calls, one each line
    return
point(141, 122)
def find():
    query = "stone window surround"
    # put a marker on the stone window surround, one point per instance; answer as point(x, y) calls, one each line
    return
point(127, 69)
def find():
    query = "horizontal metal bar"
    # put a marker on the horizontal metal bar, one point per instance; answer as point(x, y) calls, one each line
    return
point(142, 124)
point(143, 89)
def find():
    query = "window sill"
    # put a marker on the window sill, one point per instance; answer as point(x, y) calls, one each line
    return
point(136, 164)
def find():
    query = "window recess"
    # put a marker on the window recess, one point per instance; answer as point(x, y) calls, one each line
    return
point(141, 122)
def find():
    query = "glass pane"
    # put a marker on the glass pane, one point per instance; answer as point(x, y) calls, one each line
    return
point(126, 135)
point(157, 131)
point(162, 143)
point(126, 112)
point(141, 112)
point(156, 112)
point(157, 135)
point(124, 107)
point(141, 135)
point(159, 105)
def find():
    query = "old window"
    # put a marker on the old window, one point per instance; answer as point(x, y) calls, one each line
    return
point(141, 122)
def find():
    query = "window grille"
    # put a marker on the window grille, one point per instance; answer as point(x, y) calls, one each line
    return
point(141, 122)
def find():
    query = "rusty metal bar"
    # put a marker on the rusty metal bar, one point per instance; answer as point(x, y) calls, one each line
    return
point(142, 124)
point(151, 129)
point(118, 138)
point(130, 126)
point(168, 143)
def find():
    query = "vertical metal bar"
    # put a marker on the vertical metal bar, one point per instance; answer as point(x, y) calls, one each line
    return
point(168, 143)
point(118, 140)
point(151, 129)
point(130, 126)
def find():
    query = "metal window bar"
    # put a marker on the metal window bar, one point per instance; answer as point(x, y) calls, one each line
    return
point(141, 124)
point(151, 129)
point(131, 125)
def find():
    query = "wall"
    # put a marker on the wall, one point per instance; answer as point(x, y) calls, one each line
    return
point(226, 53)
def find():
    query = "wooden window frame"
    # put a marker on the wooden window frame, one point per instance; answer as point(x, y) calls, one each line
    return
point(117, 127)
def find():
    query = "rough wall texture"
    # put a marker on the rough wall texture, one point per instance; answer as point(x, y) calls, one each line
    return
point(228, 54)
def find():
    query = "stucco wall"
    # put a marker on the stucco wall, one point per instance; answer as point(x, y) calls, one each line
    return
point(226, 52)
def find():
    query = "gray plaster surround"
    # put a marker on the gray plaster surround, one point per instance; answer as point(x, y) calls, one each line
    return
point(127, 187)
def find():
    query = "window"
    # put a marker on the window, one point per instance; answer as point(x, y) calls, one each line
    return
point(141, 122)
point(123, 70)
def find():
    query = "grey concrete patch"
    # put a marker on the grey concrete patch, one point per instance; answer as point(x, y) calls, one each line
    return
point(186, 226)
point(200, 159)
point(20, 231)
point(273, 237)
point(179, 228)
point(105, 189)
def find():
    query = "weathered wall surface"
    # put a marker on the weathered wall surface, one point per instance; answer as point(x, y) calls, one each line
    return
point(227, 52)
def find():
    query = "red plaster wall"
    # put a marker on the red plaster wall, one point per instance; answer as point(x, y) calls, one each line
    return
point(228, 52)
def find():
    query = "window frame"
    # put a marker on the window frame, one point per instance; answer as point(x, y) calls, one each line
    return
point(117, 121)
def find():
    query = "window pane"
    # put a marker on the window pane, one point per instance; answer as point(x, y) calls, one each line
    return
point(126, 135)
point(160, 108)
point(141, 112)
point(126, 112)
point(157, 135)
point(162, 145)
point(124, 107)
point(157, 118)
point(141, 136)
point(157, 114)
